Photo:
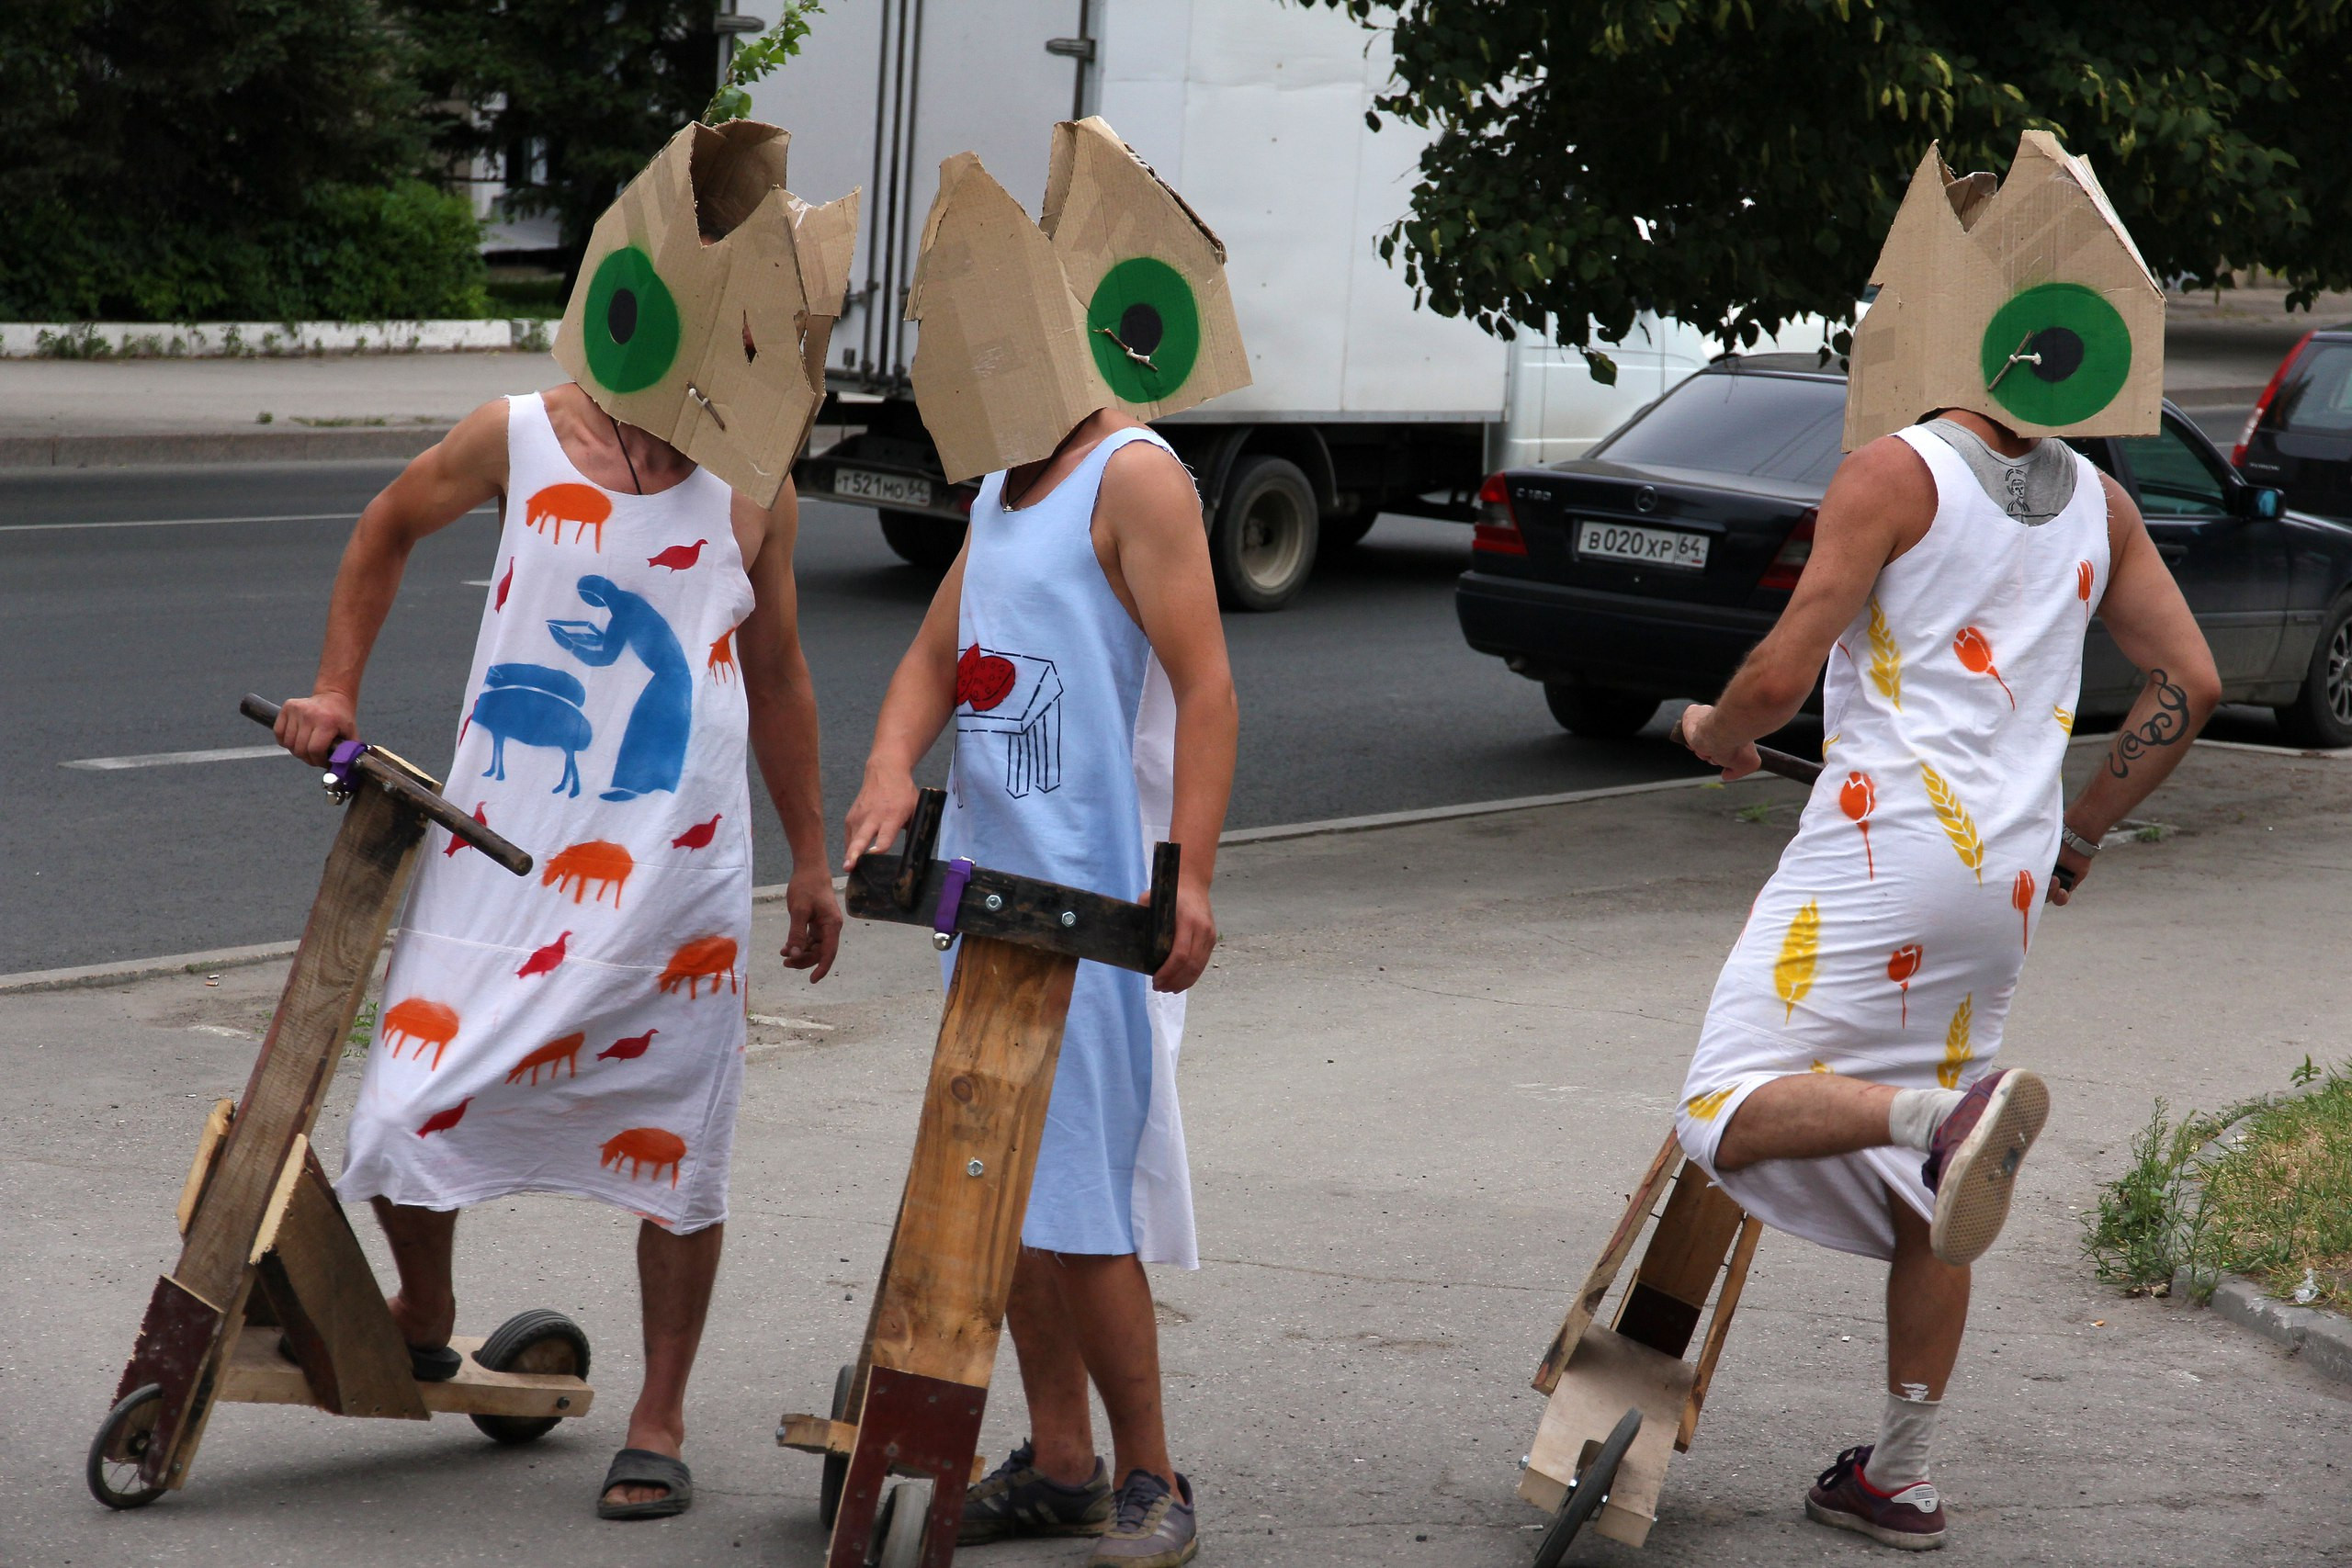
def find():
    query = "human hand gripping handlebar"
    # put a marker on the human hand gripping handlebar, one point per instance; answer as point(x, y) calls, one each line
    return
point(405, 783)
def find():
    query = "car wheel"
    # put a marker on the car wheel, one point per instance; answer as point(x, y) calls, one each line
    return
point(1263, 544)
point(2321, 715)
point(930, 543)
point(1601, 712)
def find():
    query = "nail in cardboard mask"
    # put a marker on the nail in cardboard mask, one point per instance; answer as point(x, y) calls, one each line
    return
point(1116, 297)
point(2022, 301)
point(719, 348)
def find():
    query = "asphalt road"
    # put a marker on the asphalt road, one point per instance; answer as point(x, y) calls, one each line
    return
point(139, 639)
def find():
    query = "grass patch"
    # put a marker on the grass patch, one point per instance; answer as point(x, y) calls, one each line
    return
point(2274, 1203)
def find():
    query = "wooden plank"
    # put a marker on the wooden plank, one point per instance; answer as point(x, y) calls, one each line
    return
point(325, 1296)
point(208, 1149)
point(255, 1373)
point(1607, 1374)
point(365, 870)
point(1106, 929)
point(941, 1301)
point(1662, 1306)
point(816, 1435)
point(1587, 1306)
point(273, 1214)
point(1743, 1253)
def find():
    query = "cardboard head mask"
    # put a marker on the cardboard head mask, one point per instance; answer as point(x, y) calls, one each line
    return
point(2022, 300)
point(1116, 298)
point(717, 348)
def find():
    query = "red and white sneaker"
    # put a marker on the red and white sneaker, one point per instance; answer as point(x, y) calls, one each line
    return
point(1972, 1161)
point(1910, 1520)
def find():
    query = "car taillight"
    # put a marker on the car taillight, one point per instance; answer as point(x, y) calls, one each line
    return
point(1796, 551)
point(2262, 404)
point(1498, 531)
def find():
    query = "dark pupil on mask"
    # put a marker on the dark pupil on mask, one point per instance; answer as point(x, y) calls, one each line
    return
point(1140, 328)
point(2062, 353)
point(620, 316)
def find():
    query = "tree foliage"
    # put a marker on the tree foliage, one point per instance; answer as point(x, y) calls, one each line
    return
point(759, 59)
point(1734, 163)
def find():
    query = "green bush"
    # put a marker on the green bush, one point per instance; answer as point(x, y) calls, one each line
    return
point(354, 254)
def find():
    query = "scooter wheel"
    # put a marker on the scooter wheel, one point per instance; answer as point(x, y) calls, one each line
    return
point(836, 1476)
point(901, 1526)
point(1588, 1492)
point(120, 1447)
point(539, 1340)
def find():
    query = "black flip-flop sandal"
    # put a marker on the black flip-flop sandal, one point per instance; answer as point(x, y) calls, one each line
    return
point(643, 1467)
point(426, 1363)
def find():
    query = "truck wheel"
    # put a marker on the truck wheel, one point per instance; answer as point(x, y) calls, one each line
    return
point(1263, 544)
point(2321, 715)
point(930, 543)
point(1342, 529)
point(1599, 712)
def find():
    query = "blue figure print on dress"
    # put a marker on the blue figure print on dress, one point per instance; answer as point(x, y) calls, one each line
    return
point(537, 706)
point(653, 747)
point(1019, 697)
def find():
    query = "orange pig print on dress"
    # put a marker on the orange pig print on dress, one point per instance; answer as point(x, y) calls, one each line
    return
point(596, 864)
point(422, 1022)
point(646, 1150)
point(554, 1055)
point(585, 506)
point(721, 662)
point(705, 958)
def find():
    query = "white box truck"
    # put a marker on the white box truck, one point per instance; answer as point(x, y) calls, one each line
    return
point(1255, 111)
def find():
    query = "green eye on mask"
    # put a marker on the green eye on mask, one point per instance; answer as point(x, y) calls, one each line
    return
point(2055, 354)
point(1145, 330)
point(631, 323)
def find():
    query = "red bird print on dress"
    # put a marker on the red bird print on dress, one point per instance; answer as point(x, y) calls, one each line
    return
point(678, 557)
point(545, 960)
point(442, 1120)
point(504, 585)
point(698, 837)
point(629, 1049)
point(456, 843)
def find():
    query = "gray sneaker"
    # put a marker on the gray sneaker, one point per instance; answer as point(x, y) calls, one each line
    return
point(1015, 1499)
point(1154, 1529)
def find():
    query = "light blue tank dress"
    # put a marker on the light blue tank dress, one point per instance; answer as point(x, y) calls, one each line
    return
point(1064, 766)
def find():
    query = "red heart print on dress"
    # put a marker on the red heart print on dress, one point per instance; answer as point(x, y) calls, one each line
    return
point(982, 680)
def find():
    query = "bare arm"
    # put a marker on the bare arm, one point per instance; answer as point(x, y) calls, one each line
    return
point(1882, 502)
point(2154, 629)
point(1161, 570)
point(783, 704)
point(914, 710)
point(465, 469)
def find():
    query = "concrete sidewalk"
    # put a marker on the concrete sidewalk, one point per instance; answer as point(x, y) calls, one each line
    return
point(1429, 1062)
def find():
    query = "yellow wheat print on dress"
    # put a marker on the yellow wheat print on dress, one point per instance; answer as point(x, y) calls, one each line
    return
point(2065, 717)
point(1704, 1106)
point(1886, 657)
point(1958, 1052)
point(1957, 825)
point(1792, 974)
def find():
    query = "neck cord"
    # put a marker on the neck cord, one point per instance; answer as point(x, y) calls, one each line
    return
point(635, 483)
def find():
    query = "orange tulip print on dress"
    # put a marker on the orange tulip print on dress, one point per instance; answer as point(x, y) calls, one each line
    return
point(2085, 579)
point(647, 1149)
point(554, 1055)
point(2021, 900)
point(425, 1023)
point(1901, 964)
point(1857, 797)
point(705, 958)
point(599, 863)
point(1976, 653)
point(585, 506)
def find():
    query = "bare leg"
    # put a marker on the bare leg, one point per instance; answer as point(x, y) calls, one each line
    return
point(1109, 1304)
point(1926, 1310)
point(1806, 1116)
point(674, 1276)
point(1053, 1372)
point(423, 1240)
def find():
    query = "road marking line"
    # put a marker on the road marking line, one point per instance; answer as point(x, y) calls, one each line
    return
point(173, 758)
point(181, 521)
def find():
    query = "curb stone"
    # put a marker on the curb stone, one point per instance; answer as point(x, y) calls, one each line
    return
point(2322, 1340)
point(218, 446)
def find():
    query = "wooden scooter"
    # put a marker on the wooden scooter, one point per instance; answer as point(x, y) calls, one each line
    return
point(910, 1403)
point(266, 1245)
point(1623, 1399)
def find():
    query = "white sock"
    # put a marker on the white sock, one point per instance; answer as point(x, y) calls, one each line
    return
point(1912, 1120)
point(1900, 1458)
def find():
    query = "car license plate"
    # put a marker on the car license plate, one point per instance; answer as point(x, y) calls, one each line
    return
point(1650, 547)
point(893, 490)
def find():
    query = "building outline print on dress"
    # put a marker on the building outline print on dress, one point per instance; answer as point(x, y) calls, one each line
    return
point(986, 680)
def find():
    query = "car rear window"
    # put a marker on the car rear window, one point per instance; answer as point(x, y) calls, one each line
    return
point(2317, 397)
point(1769, 427)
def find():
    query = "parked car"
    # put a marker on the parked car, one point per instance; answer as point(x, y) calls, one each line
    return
point(1647, 569)
point(2298, 437)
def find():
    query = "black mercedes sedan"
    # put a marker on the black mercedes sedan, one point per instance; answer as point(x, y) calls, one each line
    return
point(1647, 569)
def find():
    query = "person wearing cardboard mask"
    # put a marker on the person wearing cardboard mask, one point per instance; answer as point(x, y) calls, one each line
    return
point(1074, 644)
point(581, 1029)
point(1844, 1088)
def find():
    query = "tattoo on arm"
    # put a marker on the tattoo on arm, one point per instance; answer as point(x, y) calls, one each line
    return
point(2165, 726)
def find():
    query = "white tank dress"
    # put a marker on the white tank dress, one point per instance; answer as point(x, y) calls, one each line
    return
point(580, 1030)
point(1888, 943)
point(1064, 769)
